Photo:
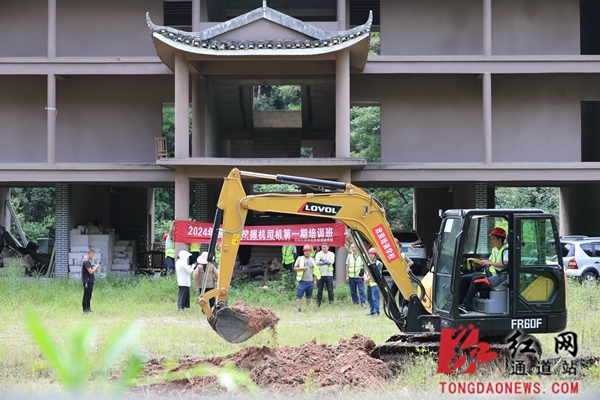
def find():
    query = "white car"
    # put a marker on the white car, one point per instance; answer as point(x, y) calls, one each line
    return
point(581, 257)
point(412, 245)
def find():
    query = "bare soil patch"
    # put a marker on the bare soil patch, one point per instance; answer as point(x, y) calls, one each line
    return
point(277, 369)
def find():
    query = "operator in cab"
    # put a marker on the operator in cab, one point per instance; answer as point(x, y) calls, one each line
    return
point(495, 265)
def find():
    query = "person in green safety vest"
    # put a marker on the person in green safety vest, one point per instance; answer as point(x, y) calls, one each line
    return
point(372, 288)
point(307, 273)
point(288, 257)
point(354, 274)
point(169, 251)
point(195, 253)
point(496, 270)
point(217, 255)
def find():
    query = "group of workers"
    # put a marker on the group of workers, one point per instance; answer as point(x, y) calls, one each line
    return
point(188, 263)
point(315, 269)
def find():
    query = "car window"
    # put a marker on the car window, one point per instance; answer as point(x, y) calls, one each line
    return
point(406, 236)
point(596, 249)
point(568, 249)
point(587, 249)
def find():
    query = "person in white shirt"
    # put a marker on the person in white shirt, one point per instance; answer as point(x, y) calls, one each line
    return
point(183, 271)
point(325, 260)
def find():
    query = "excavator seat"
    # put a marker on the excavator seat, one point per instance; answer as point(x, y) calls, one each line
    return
point(492, 299)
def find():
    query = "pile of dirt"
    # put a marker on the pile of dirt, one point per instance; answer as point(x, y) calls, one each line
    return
point(346, 364)
point(258, 317)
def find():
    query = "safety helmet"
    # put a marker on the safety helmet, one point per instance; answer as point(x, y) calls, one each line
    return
point(165, 236)
point(372, 250)
point(396, 240)
point(499, 232)
point(307, 247)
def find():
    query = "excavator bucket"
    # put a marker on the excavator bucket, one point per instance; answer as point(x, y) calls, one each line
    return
point(236, 327)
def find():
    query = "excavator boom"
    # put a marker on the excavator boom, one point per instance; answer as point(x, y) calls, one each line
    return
point(343, 202)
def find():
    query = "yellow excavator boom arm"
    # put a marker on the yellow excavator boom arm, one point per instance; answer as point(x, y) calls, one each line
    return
point(350, 205)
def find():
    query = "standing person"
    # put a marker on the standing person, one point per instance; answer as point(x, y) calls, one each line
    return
point(372, 288)
point(354, 266)
point(325, 259)
point(204, 267)
point(288, 257)
point(195, 253)
point(217, 255)
point(183, 271)
point(307, 274)
point(407, 260)
point(348, 241)
point(88, 278)
point(169, 251)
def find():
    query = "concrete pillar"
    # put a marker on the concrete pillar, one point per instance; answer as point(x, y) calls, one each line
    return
point(196, 15)
point(62, 229)
point(182, 105)
point(201, 205)
point(340, 252)
point(487, 118)
point(150, 215)
point(51, 28)
point(4, 214)
point(342, 105)
point(201, 202)
point(342, 14)
point(198, 116)
point(487, 28)
point(51, 120)
point(481, 195)
point(182, 200)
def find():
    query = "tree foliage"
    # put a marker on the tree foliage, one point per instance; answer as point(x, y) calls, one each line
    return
point(34, 208)
point(365, 133)
point(375, 44)
point(284, 97)
point(545, 198)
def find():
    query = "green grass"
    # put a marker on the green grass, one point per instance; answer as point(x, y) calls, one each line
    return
point(168, 334)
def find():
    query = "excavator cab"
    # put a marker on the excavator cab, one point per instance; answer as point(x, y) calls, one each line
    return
point(528, 293)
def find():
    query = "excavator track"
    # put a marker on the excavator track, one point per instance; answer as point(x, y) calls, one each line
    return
point(401, 351)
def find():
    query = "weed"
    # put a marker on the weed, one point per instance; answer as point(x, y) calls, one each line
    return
point(75, 366)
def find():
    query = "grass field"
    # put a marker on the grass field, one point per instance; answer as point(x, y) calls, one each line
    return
point(165, 333)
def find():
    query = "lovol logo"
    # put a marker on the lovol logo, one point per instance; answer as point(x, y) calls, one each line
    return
point(316, 208)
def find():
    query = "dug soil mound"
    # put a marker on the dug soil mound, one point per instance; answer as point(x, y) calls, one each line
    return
point(346, 364)
point(258, 317)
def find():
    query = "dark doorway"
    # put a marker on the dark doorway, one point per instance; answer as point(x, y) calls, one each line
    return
point(590, 131)
point(589, 14)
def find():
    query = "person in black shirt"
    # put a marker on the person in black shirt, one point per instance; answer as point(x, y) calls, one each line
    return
point(87, 277)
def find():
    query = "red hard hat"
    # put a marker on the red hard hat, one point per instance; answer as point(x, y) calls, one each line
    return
point(372, 250)
point(499, 232)
point(307, 247)
point(165, 236)
point(396, 240)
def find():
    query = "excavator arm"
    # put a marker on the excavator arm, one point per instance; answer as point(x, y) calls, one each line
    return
point(343, 202)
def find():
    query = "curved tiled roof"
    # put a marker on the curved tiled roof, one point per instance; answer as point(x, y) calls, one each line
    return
point(207, 42)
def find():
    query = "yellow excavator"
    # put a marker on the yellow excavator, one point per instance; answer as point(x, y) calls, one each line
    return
point(532, 298)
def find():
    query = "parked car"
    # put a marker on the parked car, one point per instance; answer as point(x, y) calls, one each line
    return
point(581, 257)
point(412, 245)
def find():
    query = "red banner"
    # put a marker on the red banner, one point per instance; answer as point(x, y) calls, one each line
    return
point(386, 247)
point(268, 235)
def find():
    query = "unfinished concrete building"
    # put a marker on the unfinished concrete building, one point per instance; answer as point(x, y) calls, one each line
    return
point(473, 94)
